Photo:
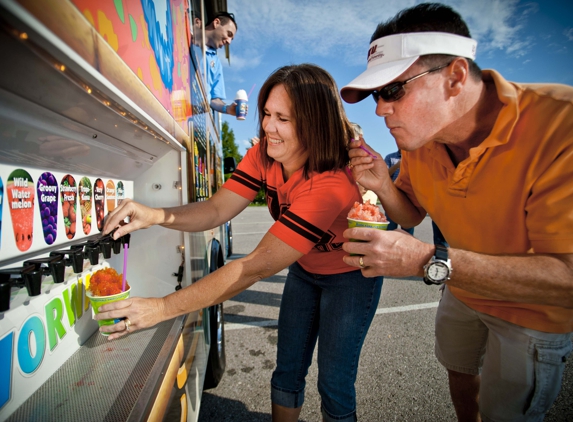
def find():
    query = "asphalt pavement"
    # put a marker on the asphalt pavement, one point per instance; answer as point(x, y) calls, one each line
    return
point(399, 378)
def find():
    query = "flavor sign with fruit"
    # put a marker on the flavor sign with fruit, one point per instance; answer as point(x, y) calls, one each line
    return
point(65, 210)
point(20, 189)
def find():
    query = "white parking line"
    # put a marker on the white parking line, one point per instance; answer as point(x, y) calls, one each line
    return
point(274, 322)
point(239, 234)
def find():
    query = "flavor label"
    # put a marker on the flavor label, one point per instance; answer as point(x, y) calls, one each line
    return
point(120, 192)
point(68, 194)
point(20, 188)
point(85, 192)
point(99, 197)
point(47, 189)
point(110, 195)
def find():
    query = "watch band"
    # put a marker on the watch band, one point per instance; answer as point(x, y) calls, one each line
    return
point(441, 253)
point(224, 111)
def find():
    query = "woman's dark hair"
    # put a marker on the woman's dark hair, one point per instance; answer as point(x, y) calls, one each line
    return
point(428, 17)
point(321, 125)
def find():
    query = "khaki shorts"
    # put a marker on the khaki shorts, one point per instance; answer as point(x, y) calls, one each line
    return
point(521, 369)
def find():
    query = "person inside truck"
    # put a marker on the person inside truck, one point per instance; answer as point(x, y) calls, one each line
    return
point(219, 32)
point(300, 162)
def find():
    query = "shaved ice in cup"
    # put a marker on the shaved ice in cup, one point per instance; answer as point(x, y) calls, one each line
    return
point(366, 215)
point(105, 287)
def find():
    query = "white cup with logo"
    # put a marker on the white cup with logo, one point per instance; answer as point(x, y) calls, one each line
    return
point(241, 100)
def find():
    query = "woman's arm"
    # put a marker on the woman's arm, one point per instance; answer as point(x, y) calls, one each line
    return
point(194, 217)
point(269, 257)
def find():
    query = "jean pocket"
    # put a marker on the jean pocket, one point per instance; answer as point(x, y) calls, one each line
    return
point(549, 364)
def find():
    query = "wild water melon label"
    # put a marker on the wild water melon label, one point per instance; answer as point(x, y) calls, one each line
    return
point(20, 188)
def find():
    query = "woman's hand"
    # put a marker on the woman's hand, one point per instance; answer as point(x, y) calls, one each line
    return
point(135, 314)
point(140, 217)
point(368, 167)
point(388, 253)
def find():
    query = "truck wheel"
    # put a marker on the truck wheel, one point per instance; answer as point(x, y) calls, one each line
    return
point(216, 361)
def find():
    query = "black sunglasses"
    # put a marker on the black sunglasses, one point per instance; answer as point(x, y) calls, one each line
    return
point(395, 90)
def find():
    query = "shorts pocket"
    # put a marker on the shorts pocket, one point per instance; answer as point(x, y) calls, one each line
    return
point(549, 363)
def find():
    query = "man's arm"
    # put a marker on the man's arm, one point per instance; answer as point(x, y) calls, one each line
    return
point(545, 279)
point(219, 105)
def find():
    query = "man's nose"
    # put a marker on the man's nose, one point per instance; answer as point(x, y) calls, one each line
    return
point(384, 108)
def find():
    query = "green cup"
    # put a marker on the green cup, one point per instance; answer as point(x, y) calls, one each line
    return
point(97, 301)
point(380, 225)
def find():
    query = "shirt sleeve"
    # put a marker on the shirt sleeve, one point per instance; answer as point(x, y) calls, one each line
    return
point(217, 80)
point(247, 179)
point(549, 207)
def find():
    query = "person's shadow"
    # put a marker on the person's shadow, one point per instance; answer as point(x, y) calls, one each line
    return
point(220, 409)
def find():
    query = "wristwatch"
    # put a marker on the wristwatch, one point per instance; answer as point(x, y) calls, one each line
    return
point(224, 111)
point(439, 269)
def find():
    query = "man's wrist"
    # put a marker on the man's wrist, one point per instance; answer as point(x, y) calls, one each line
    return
point(224, 109)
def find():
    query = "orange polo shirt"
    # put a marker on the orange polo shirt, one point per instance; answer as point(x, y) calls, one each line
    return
point(512, 195)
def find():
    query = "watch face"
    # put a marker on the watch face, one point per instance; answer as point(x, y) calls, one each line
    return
point(438, 271)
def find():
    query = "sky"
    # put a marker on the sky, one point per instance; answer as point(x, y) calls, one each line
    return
point(525, 41)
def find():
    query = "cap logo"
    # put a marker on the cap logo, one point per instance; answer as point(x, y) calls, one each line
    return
point(374, 54)
point(371, 51)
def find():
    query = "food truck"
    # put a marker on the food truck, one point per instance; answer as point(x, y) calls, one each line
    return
point(101, 101)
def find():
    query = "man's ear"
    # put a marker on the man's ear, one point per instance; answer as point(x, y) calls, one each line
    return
point(458, 73)
point(216, 22)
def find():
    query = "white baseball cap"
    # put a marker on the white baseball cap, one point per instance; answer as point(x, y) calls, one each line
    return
point(389, 57)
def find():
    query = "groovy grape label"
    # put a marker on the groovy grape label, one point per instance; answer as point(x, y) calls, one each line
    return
point(20, 189)
point(47, 189)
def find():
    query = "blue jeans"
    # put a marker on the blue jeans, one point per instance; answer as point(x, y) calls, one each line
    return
point(336, 309)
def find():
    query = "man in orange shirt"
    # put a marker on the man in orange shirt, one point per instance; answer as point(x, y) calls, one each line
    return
point(492, 163)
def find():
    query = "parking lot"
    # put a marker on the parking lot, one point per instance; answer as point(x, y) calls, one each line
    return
point(399, 378)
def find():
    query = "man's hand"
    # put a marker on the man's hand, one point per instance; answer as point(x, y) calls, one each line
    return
point(368, 167)
point(388, 253)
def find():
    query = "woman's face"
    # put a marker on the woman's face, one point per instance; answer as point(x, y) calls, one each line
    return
point(283, 144)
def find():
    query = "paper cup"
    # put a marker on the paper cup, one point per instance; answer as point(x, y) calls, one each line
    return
point(241, 112)
point(380, 225)
point(97, 301)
